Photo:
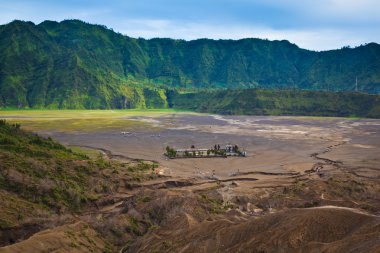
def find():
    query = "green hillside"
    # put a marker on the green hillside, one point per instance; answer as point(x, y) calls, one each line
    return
point(41, 175)
point(279, 102)
point(76, 65)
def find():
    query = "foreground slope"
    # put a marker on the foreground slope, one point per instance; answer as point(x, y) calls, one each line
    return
point(302, 230)
point(44, 185)
point(72, 64)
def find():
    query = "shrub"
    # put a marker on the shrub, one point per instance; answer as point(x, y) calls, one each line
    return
point(170, 152)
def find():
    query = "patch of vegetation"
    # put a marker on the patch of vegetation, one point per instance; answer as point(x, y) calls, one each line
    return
point(170, 152)
point(280, 102)
point(215, 206)
point(348, 188)
point(143, 199)
point(134, 226)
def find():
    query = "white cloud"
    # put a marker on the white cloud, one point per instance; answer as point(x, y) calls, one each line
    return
point(38, 13)
point(352, 11)
point(352, 6)
point(317, 39)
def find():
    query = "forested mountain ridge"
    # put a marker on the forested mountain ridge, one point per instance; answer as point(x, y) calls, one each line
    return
point(73, 64)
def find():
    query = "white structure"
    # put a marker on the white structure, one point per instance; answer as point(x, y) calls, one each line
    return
point(192, 152)
point(229, 150)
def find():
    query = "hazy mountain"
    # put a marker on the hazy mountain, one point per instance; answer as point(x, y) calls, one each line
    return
point(73, 64)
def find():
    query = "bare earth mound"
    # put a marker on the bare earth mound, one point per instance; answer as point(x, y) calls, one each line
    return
point(300, 230)
point(77, 237)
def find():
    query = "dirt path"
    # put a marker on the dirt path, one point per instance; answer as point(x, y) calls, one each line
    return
point(355, 210)
point(110, 155)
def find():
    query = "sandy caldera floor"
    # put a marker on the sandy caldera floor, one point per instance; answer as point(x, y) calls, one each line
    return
point(274, 144)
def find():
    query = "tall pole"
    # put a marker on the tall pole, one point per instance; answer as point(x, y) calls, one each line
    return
point(356, 84)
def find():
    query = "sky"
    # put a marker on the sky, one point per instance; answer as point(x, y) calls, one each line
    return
point(311, 24)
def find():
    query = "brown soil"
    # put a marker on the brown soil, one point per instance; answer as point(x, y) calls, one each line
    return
point(77, 237)
point(297, 230)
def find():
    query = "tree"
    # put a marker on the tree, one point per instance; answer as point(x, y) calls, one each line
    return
point(171, 152)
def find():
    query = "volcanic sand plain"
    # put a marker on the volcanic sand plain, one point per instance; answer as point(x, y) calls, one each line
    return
point(277, 145)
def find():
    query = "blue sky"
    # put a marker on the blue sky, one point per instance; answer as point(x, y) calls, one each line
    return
point(316, 25)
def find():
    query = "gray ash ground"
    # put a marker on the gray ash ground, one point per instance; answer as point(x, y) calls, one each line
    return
point(274, 144)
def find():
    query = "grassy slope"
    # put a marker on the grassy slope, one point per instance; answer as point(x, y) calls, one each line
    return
point(40, 176)
point(79, 120)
